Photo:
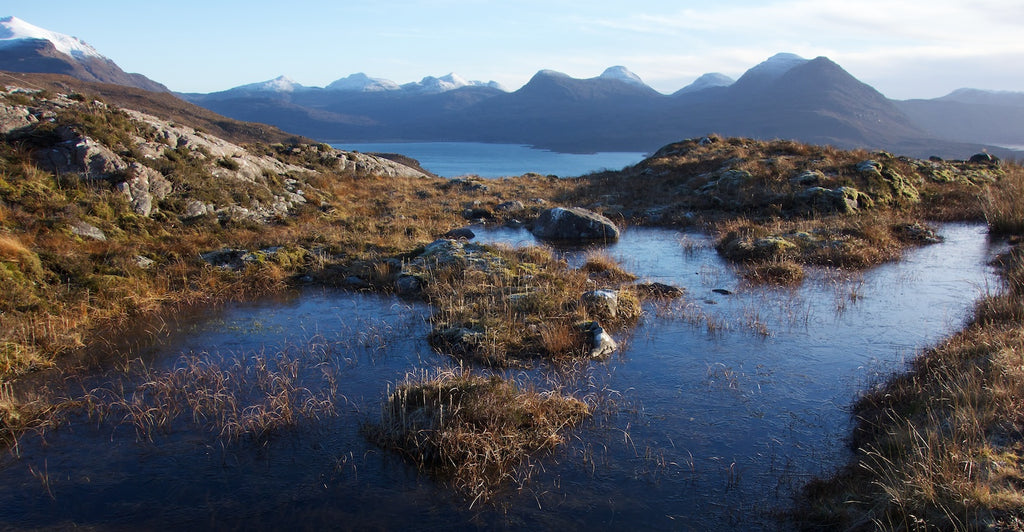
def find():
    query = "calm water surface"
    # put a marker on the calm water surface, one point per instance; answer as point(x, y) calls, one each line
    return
point(716, 409)
point(453, 159)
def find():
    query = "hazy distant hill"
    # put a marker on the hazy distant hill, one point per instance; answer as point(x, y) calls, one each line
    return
point(27, 48)
point(989, 117)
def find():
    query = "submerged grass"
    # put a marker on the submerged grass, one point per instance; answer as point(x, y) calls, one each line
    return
point(477, 432)
point(254, 397)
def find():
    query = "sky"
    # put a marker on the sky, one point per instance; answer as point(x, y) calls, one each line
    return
point(906, 49)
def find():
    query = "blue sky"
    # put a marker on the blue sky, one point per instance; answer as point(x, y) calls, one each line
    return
point(906, 49)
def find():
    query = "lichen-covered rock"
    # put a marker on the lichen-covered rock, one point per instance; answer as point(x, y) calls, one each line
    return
point(601, 303)
point(808, 178)
point(886, 185)
point(732, 180)
point(144, 186)
point(196, 208)
point(86, 230)
point(574, 224)
point(845, 200)
point(870, 167)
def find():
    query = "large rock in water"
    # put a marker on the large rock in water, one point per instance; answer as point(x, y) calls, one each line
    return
point(574, 223)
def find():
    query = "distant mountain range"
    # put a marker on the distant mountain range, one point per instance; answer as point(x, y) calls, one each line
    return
point(786, 96)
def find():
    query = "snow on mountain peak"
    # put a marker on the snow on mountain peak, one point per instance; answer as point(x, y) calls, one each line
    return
point(13, 30)
point(779, 64)
point(448, 82)
point(707, 81)
point(278, 84)
point(360, 82)
point(622, 73)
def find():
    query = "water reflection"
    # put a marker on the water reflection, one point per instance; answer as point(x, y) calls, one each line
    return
point(715, 410)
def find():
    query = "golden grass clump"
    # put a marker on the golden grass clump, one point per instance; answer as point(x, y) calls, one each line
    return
point(774, 271)
point(600, 264)
point(1003, 202)
point(838, 241)
point(478, 432)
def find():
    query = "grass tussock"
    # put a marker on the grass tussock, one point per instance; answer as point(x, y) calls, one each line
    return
point(838, 241)
point(1003, 203)
point(502, 306)
point(775, 271)
point(477, 432)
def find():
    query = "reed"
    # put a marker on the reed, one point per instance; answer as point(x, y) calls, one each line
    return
point(253, 398)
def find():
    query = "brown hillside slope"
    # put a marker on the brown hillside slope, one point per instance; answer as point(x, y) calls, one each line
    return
point(163, 105)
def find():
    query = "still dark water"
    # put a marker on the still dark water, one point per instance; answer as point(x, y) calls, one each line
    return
point(453, 159)
point(716, 409)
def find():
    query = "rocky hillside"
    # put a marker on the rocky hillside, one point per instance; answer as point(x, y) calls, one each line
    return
point(166, 169)
point(161, 104)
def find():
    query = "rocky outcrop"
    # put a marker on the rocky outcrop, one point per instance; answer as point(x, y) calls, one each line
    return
point(143, 187)
point(80, 155)
point(885, 185)
point(15, 117)
point(574, 224)
point(984, 158)
point(362, 163)
point(844, 200)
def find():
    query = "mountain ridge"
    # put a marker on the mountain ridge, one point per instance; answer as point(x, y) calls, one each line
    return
point(785, 96)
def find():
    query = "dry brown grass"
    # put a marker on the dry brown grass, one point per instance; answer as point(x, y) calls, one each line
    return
point(478, 432)
point(774, 271)
point(1003, 202)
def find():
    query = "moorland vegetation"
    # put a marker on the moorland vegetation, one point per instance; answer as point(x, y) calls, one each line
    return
point(160, 216)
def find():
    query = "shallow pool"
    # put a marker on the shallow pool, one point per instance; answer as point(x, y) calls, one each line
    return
point(715, 410)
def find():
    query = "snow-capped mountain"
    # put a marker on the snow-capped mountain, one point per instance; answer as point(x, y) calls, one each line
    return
point(770, 70)
point(13, 30)
point(622, 73)
point(28, 48)
point(452, 81)
point(360, 82)
point(707, 81)
point(278, 84)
